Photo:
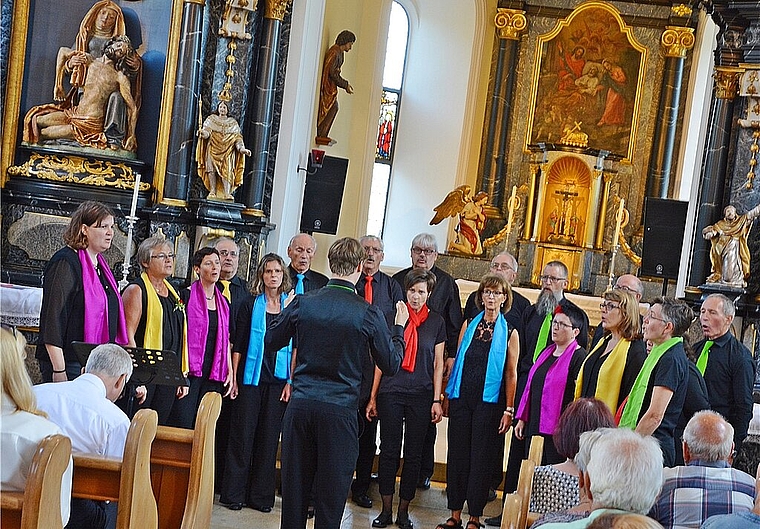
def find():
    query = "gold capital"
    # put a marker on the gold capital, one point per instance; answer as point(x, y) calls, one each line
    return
point(677, 41)
point(509, 23)
point(275, 9)
point(681, 10)
point(726, 82)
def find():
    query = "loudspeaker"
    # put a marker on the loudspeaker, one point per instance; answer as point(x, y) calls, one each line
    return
point(323, 196)
point(664, 224)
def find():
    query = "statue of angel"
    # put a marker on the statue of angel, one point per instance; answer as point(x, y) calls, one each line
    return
point(472, 218)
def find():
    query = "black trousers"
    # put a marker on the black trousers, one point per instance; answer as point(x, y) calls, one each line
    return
point(162, 399)
point(473, 430)
point(406, 416)
point(91, 514)
point(73, 369)
point(223, 428)
point(428, 451)
point(319, 446)
point(517, 450)
point(186, 408)
point(366, 457)
point(249, 470)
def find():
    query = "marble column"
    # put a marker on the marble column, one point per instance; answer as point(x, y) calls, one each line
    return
point(509, 24)
point(261, 108)
point(180, 153)
point(676, 41)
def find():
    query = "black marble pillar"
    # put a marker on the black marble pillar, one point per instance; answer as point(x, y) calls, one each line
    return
point(259, 123)
point(180, 154)
point(497, 109)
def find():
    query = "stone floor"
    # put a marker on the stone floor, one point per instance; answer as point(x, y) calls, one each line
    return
point(427, 510)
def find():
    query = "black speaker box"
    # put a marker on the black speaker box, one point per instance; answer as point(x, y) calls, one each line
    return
point(664, 224)
point(323, 196)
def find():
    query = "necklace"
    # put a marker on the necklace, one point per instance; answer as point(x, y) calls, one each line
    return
point(209, 298)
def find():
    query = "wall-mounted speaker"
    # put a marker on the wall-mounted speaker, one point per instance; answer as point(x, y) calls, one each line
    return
point(323, 196)
point(664, 225)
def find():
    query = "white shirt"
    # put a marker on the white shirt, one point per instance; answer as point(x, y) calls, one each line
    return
point(81, 410)
point(20, 433)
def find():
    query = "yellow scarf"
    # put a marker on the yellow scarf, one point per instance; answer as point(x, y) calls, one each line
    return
point(154, 321)
point(610, 374)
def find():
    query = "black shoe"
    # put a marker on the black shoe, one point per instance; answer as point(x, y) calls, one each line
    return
point(494, 521)
point(423, 483)
point(235, 506)
point(384, 519)
point(362, 500)
point(404, 523)
point(261, 509)
point(491, 495)
point(310, 512)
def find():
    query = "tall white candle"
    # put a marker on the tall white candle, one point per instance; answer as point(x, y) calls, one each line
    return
point(133, 208)
point(511, 206)
point(619, 221)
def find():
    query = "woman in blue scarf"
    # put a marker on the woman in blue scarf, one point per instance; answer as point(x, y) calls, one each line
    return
point(481, 393)
point(259, 390)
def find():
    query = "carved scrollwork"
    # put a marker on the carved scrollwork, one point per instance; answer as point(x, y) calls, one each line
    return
point(726, 83)
point(677, 41)
point(510, 23)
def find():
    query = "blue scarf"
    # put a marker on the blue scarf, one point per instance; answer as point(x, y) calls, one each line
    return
point(497, 357)
point(255, 354)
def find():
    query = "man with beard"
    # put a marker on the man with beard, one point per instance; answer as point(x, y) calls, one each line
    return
point(535, 336)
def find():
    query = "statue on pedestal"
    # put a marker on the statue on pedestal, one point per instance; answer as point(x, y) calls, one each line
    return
point(331, 80)
point(730, 254)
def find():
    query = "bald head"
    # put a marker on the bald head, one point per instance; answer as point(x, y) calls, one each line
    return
point(708, 437)
point(632, 284)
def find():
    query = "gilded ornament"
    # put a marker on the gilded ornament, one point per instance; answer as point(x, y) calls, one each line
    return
point(574, 136)
point(681, 10)
point(509, 23)
point(275, 9)
point(677, 40)
point(726, 83)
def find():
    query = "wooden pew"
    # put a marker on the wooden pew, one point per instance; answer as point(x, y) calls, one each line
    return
point(39, 506)
point(511, 512)
point(182, 469)
point(126, 481)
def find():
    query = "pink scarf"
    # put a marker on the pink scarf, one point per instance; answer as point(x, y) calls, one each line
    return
point(96, 302)
point(197, 333)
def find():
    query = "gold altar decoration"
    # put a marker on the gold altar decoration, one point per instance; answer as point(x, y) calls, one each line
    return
point(753, 159)
point(681, 10)
point(509, 23)
point(677, 41)
point(275, 9)
point(78, 170)
point(565, 204)
point(726, 81)
point(235, 18)
point(574, 136)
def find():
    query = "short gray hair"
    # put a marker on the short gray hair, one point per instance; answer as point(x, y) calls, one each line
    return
point(625, 471)
point(729, 309)
point(225, 239)
point(373, 238)
point(585, 445)
point(293, 238)
point(512, 260)
point(709, 436)
point(425, 240)
point(143, 251)
point(110, 360)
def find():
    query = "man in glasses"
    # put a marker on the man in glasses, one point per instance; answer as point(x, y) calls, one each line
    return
point(505, 265)
point(631, 284)
point(444, 299)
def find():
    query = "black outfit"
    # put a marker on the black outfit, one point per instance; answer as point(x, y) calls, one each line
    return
point(514, 316)
point(404, 404)
point(256, 422)
point(333, 328)
point(730, 375)
point(311, 281)
point(529, 329)
point(637, 353)
point(550, 455)
point(161, 398)
point(385, 294)
point(62, 313)
point(444, 300)
point(473, 429)
point(671, 372)
point(696, 400)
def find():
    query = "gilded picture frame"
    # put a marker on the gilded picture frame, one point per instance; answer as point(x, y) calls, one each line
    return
point(38, 29)
point(588, 78)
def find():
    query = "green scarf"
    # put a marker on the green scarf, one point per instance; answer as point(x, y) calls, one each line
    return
point(702, 360)
point(633, 407)
point(543, 335)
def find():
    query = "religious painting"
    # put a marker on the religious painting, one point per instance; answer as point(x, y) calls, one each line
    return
point(87, 78)
point(587, 81)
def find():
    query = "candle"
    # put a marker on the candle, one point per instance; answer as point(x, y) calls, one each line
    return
point(619, 220)
point(133, 208)
point(511, 206)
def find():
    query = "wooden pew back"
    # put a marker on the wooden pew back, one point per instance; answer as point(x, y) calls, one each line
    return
point(39, 506)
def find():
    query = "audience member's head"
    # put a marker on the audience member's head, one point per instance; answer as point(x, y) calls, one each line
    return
point(624, 521)
point(582, 415)
point(708, 437)
point(625, 471)
point(111, 364)
point(17, 385)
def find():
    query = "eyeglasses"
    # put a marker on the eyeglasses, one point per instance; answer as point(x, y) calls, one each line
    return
point(607, 306)
point(163, 256)
point(552, 279)
point(370, 249)
point(501, 266)
point(492, 293)
point(228, 253)
point(627, 289)
point(427, 251)
point(557, 323)
point(650, 316)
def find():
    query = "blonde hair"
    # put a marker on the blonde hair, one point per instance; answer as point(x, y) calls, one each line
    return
point(16, 382)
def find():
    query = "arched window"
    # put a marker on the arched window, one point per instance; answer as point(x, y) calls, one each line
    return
point(393, 81)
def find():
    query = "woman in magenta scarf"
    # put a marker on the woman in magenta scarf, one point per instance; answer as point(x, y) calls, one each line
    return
point(208, 336)
point(408, 401)
point(80, 298)
point(551, 382)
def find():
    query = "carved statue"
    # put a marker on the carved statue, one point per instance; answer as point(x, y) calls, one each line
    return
point(472, 219)
point(331, 80)
point(220, 154)
point(730, 254)
point(86, 121)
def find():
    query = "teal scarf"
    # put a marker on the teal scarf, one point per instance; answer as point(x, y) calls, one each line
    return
point(255, 353)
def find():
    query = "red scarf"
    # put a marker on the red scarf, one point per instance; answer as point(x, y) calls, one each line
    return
point(410, 336)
